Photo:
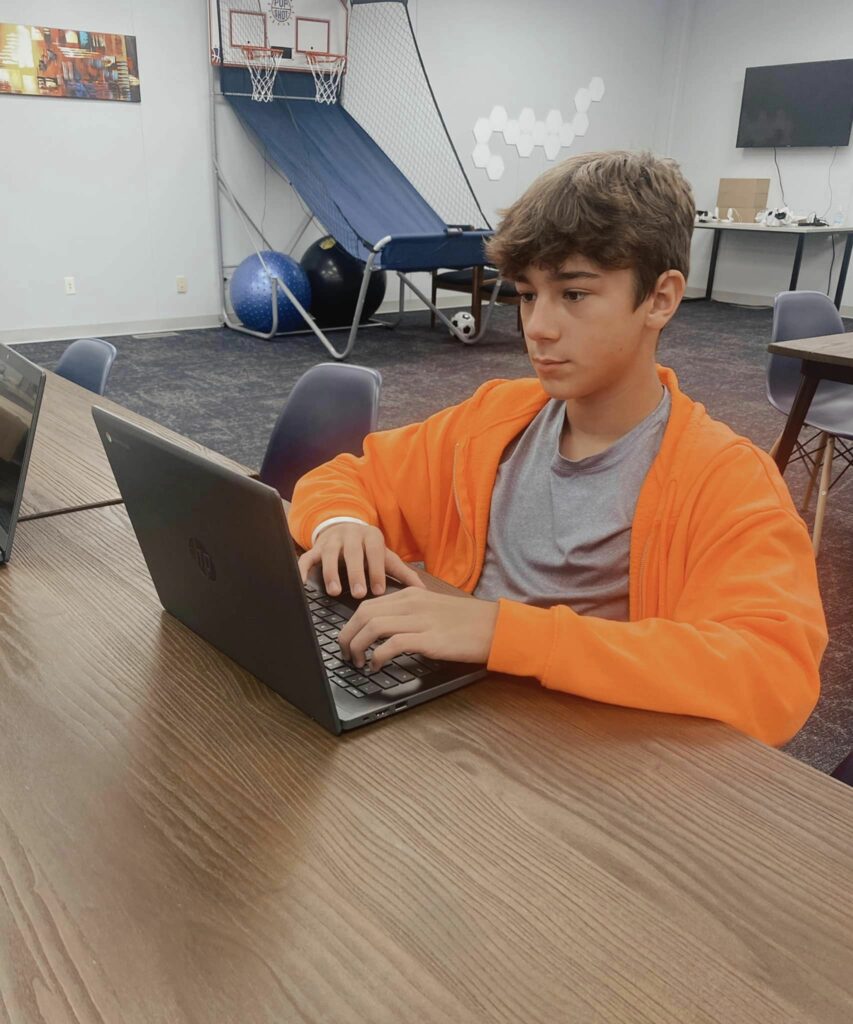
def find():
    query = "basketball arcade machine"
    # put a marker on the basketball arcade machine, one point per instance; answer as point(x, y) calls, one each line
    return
point(371, 157)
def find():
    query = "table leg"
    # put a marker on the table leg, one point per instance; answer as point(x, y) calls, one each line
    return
point(796, 418)
point(718, 234)
point(842, 274)
point(798, 259)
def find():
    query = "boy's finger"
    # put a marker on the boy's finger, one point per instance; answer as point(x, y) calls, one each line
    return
point(306, 560)
point(354, 560)
point(374, 553)
point(396, 567)
point(331, 571)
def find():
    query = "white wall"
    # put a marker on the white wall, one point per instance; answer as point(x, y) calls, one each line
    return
point(117, 195)
point(726, 37)
point(121, 196)
point(492, 52)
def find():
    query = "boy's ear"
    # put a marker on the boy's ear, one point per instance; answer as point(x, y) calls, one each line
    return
point(665, 299)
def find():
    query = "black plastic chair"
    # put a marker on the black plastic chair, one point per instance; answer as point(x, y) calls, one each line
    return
point(87, 362)
point(806, 314)
point(331, 409)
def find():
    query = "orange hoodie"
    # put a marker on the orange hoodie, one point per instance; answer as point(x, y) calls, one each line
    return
point(725, 614)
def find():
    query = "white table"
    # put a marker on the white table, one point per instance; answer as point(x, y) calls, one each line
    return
point(718, 227)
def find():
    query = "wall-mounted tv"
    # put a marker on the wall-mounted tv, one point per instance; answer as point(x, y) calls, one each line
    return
point(797, 105)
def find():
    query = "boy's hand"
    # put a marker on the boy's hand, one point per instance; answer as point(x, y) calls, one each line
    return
point(358, 546)
point(440, 626)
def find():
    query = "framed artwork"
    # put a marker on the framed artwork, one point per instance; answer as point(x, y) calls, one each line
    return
point(68, 62)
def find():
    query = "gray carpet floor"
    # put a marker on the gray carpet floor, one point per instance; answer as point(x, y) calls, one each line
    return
point(225, 390)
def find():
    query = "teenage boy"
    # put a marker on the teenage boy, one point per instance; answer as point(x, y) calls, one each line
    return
point(619, 543)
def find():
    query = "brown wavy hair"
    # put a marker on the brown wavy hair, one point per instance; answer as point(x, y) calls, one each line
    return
point(618, 209)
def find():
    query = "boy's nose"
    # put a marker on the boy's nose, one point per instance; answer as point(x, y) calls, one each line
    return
point(540, 323)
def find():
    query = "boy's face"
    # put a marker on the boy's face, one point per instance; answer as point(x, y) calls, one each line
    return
point(583, 334)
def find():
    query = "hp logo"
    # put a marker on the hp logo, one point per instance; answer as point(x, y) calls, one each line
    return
point(201, 556)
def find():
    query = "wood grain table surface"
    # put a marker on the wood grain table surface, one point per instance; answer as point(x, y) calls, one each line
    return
point(178, 844)
point(68, 468)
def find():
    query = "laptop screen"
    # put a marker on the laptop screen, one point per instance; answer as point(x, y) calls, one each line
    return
point(21, 385)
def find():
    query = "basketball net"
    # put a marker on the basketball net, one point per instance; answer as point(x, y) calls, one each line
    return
point(327, 69)
point(263, 63)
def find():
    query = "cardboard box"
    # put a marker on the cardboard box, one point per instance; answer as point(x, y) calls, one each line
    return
point(746, 196)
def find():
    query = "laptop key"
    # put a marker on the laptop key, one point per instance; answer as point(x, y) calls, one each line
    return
point(343, 683)
point(397, 673)
point(354, 691)
point(382, 680)
point(407, 662)
point(371, 688)
point(332, 663)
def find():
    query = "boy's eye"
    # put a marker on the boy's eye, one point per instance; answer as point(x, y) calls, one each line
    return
point(526, 297)
point(574, 296)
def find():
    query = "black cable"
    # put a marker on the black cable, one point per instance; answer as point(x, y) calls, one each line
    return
point(779, 172)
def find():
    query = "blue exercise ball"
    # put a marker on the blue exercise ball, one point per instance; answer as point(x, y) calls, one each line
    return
point(250, 292)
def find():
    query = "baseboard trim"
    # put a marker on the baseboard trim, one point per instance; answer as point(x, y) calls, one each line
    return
point(746, 299)
point(70, 332)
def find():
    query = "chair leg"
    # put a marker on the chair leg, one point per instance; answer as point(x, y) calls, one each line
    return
point(775, 446)
point(476, 298)
point(818, 461)
point(825, 478)
point(434, 294)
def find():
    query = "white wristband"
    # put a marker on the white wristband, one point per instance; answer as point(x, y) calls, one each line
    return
point(331, 522)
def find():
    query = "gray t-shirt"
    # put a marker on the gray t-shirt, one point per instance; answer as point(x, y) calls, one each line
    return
point(560, 530)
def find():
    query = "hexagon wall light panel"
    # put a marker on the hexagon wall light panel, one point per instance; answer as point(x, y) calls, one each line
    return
point(525, 144)
point(526, 119)
point(481, 154)
point(552, 146)
point(596, 89)
point(495, 167)
point(580, 123)
point(511, 132)
point(483, 129)
point(553, 121)
point(553, 133)
point(499, 116)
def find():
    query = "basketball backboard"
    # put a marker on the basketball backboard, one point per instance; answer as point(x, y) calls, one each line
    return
point(293, 27)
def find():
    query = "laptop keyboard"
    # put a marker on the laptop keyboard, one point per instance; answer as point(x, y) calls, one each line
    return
point(329, 616)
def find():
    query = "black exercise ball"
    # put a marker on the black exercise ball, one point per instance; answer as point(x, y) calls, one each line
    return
point(335, 279)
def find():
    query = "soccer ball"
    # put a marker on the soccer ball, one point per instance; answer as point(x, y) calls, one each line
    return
point(464, 323)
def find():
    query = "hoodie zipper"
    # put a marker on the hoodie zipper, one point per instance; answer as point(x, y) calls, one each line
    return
point(462, 522)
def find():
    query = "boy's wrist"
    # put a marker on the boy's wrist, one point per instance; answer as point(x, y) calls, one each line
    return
point(334, 520)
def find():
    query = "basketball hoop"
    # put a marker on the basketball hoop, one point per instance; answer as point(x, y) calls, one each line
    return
point(327, 69)
point(263, 62)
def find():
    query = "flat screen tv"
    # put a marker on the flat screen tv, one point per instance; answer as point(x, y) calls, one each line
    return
point(797, 105)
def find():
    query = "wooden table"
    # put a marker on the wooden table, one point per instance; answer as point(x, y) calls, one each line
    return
point(178, 844)
point(718, 227)
point(826, 358)
point(68, 468)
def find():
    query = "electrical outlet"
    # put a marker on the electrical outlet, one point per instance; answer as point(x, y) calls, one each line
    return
point(182, 286)
point(70, 286)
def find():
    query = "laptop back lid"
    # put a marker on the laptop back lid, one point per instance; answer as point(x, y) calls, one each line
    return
point(21, 390)
point(221, 558)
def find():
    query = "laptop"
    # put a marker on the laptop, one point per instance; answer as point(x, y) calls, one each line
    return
point(21, 390)
point(220, 555)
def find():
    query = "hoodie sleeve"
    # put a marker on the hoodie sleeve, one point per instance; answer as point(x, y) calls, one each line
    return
point(400, 484)
point(741, 641)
